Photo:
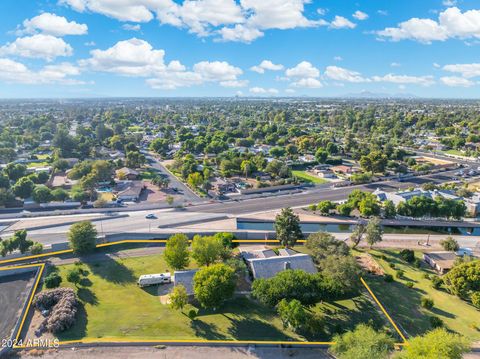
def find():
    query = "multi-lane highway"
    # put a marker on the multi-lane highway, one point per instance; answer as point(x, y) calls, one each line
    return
point(135, 221)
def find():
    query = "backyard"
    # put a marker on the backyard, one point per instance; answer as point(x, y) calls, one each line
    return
point(404, 303)
point(112, 305)
point(306, 177)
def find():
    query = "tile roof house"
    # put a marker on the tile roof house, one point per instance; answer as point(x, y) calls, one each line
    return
point(440, 261)
point(266, 264)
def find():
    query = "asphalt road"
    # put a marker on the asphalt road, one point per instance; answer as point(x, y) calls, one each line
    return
point(315, 195)
point(188, 195)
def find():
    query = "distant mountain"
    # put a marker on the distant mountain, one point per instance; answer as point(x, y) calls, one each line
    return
point(368, 94)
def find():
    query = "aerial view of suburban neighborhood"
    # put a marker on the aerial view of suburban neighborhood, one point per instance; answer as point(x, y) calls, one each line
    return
point(240, 179)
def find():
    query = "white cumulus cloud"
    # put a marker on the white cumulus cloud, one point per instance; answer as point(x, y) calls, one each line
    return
point(52, 24)
point(360, 15)
point(466, 70)
point(455, 81)
point(266, 65)
point(341, 74)
point(41, 46)
point(340, 22)
point(451, 23)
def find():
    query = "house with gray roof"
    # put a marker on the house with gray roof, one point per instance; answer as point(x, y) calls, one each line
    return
point(185, 278)
point(265, 265)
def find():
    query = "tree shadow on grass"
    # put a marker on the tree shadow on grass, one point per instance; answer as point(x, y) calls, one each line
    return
point(111, 270)
point(248, 328)
point(402, 303)
point(206, 330)
point(79, 329)
point(441, 312)
point(87, 296)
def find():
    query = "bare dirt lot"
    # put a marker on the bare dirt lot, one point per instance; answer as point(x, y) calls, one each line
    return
point(13, 293)
point(198, 352)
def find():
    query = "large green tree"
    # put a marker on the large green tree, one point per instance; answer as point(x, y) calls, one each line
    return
point(323, 244)
point(176, 251)
point(293, 314)
point(207, 249)
point(374, 231)
point(82, 237)
point(287, 227)
point(213, 285)
point(363, 342)
point(436, 344)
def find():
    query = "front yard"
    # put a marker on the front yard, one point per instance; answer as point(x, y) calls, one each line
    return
point(403, 303)
point(306, 177)
point(113, 306)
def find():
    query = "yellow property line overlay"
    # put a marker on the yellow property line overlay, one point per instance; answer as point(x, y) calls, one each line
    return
point(65, 251)
point(384, 311)
point(41, 267)
point(124, 340)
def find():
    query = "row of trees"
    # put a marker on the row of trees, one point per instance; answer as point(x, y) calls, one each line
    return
point(19, 242)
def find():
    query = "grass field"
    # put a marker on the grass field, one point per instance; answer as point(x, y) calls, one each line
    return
point(37, 164)
point(307, 177)
point(403, 303)
point(455, 152)
point(113, 306)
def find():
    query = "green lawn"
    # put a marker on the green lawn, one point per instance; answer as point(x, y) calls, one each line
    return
point(403, 303)
point(455, 152)
point(37, 164)
point(113, 306)
point(307, 177)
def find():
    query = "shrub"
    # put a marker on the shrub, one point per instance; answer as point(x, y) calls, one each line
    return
point(409, 284)
point(388, 278)
point(392, 265)
point(475, 297)
point(53, 280)
point(192, 313)
point(417, 263)
point(449, 244)
point(62, 304)
point(436, 282)
point(399, 273)
point(426, 303)
point(426, 276)
point(435, 322)
point(407, 255)
point(36, 248)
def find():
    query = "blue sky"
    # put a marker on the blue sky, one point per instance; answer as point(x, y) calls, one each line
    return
point(91, 48)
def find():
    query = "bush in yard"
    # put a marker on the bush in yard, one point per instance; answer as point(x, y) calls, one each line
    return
point(409, 284)
point(435, 322)
point(436, 281)
point(399, 273)
point(449, 244)
point(475, 297)
point(427, 302)
point(62, 304)
point(53, 280)
point(36, 248)
point(74, 276)
point(388, 278)
point(407, 255)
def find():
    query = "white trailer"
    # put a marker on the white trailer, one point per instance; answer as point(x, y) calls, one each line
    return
point(152, 279)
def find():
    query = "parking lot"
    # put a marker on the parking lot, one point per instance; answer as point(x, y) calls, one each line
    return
point(14, 290)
